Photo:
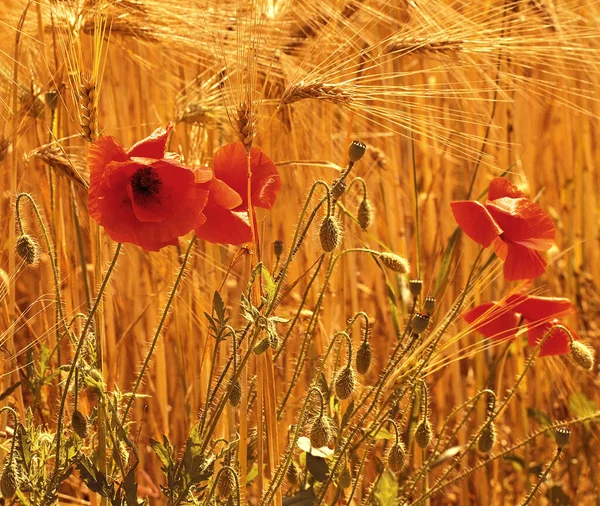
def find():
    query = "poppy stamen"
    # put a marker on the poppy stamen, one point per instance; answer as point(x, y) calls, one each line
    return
point(146, 183)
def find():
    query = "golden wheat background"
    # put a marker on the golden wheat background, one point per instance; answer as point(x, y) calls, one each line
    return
point(465, 87)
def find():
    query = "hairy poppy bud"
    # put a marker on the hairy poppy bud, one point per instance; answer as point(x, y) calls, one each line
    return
point(8, 481)
point(28, 249)
point(363, 358)
point(395, 457)
point(356, 151)
point(419, 323)
point(344, 383)
point(226, 484)
point(487, 438)
point(583, 355)
point(395, 262)
point(562, 436)
point(415, 286)
point(338, 187)
point(79, 424)
point(429, 305)
point(329, 233)
point(365, 213)
point(235, 396)
point(423, 433)
point(320, 432)
point(278, 248)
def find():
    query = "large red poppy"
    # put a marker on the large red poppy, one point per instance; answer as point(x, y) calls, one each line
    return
point(228, 222)
point(500, 320)
point(518, 228)
point(143, 195)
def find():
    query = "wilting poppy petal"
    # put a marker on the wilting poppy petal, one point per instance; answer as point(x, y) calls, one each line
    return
point(501, 187)
point(557, 342)
point(153, 146)
point(493, 320)
point(224, 226)
point(536, 309)
point(522, 263)
point(523, 222)
point(475, 221)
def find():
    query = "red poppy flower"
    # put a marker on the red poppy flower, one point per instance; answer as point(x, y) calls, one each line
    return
point(500, 320)
point(227, 217)
point(143, 195)
point(518, 228)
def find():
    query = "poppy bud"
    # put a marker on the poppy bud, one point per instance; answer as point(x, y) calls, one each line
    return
point(583, 355)
point(4, 144)
point(278, 248)
point(320, 432)
point(363, 358)
point(235, 396)
point(356, 151)
point(226, 484)
point(415, 286)
point(395, 262)
point(419, 323)
point(395, 457)
point(262, 346)
point(562, 436)
point(330, 233)
point(365, 214)
point(429, 305)
point(79, 424)
point(344, 383)
point(337, 189)
point(8, 481)
point(487, 438)
point(28, 249)
point(423, 433)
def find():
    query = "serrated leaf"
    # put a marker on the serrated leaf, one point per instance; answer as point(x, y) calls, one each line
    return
point(387, 490)
point(130, 487)
point(163, 451)
point(93, 478)
point(219, 306)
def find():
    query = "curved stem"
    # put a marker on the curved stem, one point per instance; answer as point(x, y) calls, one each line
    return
point(16, 418)
point(543, 476)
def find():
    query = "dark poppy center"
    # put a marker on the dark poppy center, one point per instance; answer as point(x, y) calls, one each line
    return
point(146, 183)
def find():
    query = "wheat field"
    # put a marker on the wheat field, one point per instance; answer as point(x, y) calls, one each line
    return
point(210, 372)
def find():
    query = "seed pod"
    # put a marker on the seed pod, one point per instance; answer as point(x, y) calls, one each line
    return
point(419, 323)
point(395, 262)
point(8, 481)
point(262, 346)
point(28, 249)
point(79, 424)
point(226, 484)
point(356, 151)
point(235, 395)
point(583, 355)
point(487, 438)
point(365, 213)
point(415, 286)
point(329, 233)
point(344, 383)
point(363, 358)
point(278, 248)
point(338, 187)
point(320, 432)
point(429, 305)
point(562, 436)
point(423, 433)
point(395, 457)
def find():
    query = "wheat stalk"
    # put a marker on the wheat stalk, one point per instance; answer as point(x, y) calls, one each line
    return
point(88, 114)
point(335, 93)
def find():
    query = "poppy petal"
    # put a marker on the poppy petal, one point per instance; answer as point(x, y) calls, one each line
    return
point(224, 226)
point(501, 187)
point(154, 145)
point(523, 222)
point(475, 221)
point(557, 343)
point(266, 181)
point(103, 151)
point(537, 309)
point(493, 320)
point(523, 263)
point(221, 195)
point(230, 165)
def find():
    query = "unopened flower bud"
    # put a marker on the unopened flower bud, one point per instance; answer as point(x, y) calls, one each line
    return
point(396, 456)
point(28, 249)
point(226, 484)
point(79, 424)
point(423, 433)
point(8, 481)
point(363, 358)
point(562, 436)
point(320, 432)
point(356, 151)
point(365, 214)
point(487, 438)
point(419, 323)
point(344, 383)
point(395, 262)
point(235, 396)
point(583, 355)
point(329, 233)
point(415, 286)
point(278, 248)
point(429, 305)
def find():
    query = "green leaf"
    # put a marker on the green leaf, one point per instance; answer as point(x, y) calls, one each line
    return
point(252, 474)
point(384, 434)
point(219, 306)
point(130, 487)
point(93, 478)
point(387, 490)
point(164, 451)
